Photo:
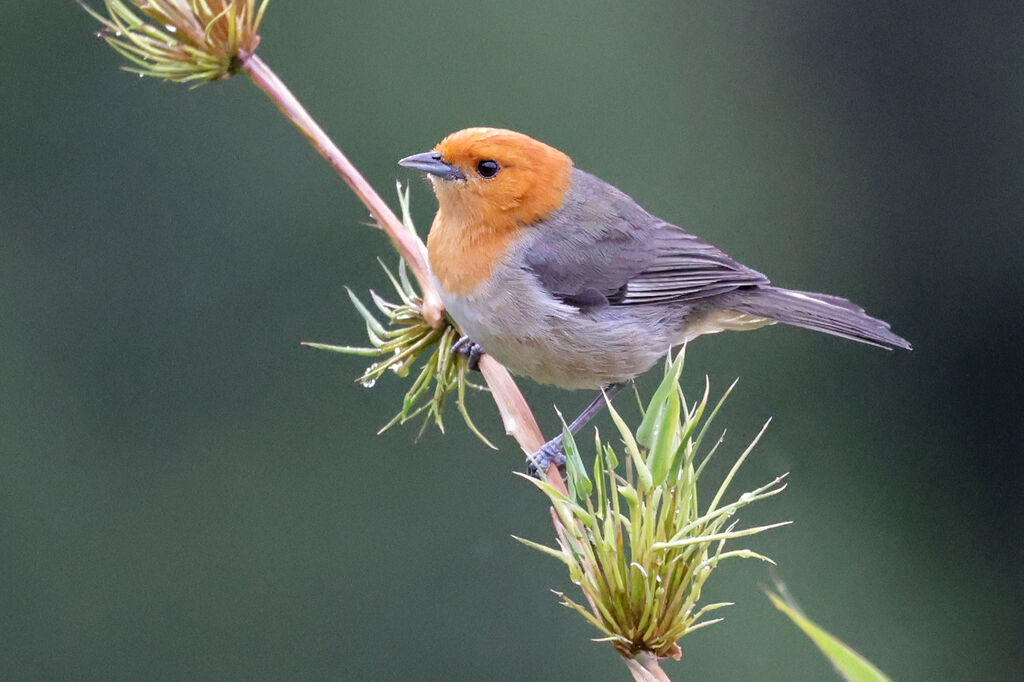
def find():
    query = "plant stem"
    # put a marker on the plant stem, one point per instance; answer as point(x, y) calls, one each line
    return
point(407, 244)
point(515, 413)
point(645, 668)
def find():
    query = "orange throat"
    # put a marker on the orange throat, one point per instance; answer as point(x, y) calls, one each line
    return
point(464, 253)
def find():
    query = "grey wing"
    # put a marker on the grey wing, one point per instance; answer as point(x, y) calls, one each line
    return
point(625, 256)
point(683, 268)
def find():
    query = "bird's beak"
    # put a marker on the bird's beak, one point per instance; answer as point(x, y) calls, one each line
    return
point(431, 162)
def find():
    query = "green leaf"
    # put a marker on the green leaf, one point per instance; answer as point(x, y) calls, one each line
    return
point(371, 321)
point(461, 405)
point(402, 291)
point(652, 415)
point(736, 467)
point(576, 474)
point(553, 493)
point(642, 472)
point(711, 417)
point(851, 665)
point(348, 350)
point(666, 438)
point(710, 537)
point(685, 451)
point(598, 472)
point(550, 551)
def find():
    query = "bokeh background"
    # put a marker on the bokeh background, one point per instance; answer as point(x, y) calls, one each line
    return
point(186, 493)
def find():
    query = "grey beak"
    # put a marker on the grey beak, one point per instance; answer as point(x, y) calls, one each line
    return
point(430, 162)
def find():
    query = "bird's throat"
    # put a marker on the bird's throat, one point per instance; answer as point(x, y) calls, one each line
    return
point(464, 252)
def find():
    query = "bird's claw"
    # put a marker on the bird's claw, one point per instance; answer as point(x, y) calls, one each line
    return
point(472, 350)
point(551, 453)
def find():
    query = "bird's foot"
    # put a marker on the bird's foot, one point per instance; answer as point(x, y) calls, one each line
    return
point(551, 453)
point(471, 349)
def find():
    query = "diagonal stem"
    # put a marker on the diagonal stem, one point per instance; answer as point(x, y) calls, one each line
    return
point(408, 245)
point(515, 413)
point(516, 416)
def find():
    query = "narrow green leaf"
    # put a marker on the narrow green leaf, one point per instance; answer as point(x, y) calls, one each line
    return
point(403, 202)
point(598, 473)
point(579, 483)
point(687, 447)
point(666, 438)
point(403, 276)
point(652, 415)
point(550, 551)
point(711, 607)
point(460, 403)
point(399, 289)
point(348, 350)
point(371, 321)
point(643, 473)
point(774, 487)
point(611, 460)
point(736, 467)
point(850, 664)
point(553, 493)
point(714, 413)
point(728, 535)
point(706, 623)
point(589, 617)
point(387, 308)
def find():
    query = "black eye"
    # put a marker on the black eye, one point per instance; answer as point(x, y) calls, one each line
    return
point(488, 168)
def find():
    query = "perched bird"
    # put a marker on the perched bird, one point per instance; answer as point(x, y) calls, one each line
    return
point(566, 280)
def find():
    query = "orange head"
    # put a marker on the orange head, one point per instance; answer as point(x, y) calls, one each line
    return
point(490, 184)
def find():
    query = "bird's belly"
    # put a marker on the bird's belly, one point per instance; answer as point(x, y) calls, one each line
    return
point(535, 335)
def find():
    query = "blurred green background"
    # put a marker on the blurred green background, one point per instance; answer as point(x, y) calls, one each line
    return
point(185, 492)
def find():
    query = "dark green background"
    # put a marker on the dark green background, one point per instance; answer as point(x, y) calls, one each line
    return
point(185, 492)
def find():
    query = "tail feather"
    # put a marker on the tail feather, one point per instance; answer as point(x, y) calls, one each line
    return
point(819, 312)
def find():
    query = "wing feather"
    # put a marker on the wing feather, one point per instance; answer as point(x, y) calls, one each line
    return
point(600, 243)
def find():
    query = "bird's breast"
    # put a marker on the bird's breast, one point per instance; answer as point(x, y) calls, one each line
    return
point(464, 251)
point(522, 325)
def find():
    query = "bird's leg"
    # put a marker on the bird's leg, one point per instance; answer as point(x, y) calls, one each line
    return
point(553, 451)
point(472, 350)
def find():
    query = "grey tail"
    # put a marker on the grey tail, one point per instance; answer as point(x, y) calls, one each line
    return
point(819, 312)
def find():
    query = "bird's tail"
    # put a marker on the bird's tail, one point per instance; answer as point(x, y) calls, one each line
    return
point(819, 312)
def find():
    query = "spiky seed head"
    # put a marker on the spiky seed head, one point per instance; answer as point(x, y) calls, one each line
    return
point(185, 41)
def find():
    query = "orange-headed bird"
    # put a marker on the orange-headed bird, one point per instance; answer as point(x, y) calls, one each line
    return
point(567, 280)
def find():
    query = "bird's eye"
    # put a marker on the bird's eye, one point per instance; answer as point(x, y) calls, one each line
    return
point(488, 168)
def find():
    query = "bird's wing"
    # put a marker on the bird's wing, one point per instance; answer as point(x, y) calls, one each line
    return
point(601, 249)
point(681, 267)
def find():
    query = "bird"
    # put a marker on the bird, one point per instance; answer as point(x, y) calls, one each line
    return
point(567, 280)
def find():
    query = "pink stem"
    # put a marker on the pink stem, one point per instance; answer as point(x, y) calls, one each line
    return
point(407, 244)
point(515, 413)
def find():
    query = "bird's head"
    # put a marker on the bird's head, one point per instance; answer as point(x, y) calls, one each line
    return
point(490, 184)
point(498, 178)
